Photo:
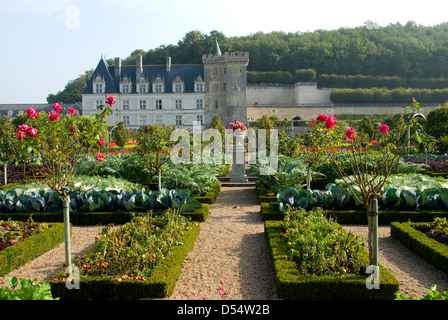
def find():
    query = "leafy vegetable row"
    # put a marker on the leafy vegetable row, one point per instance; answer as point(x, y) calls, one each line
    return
point(46, 200)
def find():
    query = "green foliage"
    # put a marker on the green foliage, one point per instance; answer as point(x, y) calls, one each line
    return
point(72, 90)
point(429, 249)
point(154, 145)
point(305, 75)
point(405, 192)
point(47, 200)
point(26, 289)
point(319, 246)
point(290, 284)
point(365, 126)
point(135, 248)
point(159, 284)
point(432, 295)
point(120, 135)
point(218, 125)
point(8, 139)
point(436, 125)
point(382, 95)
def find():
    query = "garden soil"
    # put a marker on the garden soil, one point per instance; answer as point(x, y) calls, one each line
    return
point(230, 257)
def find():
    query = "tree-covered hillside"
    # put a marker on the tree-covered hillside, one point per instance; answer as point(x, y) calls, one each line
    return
point(406, 51)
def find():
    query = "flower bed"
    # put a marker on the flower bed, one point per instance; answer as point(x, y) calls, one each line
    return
point(291, 284)
point(31, 247)
point(429, 249)
point(292, 281)
point(143, 259)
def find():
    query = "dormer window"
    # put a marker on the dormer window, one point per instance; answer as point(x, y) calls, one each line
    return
point(142, 86)
point(178, 85)
point(199, 84)
point(158, 85)
point(99, 85)
point(125, 85)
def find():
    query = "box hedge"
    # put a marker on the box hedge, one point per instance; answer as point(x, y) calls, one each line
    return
point(292, 285)
point(159, 284)
point(94, 218)
point(427, 248)
point(360, 216)
point(24, 251)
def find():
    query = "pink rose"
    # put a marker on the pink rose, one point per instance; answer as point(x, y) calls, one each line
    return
point(31, 132)
point(20, 135)
point(22, 127)
point(101, 143)
point(322, 117)
point(57, 107)
point(32, 113)
point(110, 100)
point(384, 128)
point(54, 116)
point(350, 133)
point(71, 110)
point(100, 157)
point(330, 122)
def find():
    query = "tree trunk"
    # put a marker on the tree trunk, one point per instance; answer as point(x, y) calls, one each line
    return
point(66, 213)
point(372, 216)
point(308, 178)
point(5, 172)
point(159, 180)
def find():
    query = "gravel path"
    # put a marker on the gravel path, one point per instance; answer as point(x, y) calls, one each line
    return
point(230, 257)
point(415, 275)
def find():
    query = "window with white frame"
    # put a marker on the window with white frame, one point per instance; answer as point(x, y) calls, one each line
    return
point(99, 88)
point(199, 87)
point(158, 104)
point(199, 104)
point(125, 88)
point(178, 88)
point(99, 102)
point(125, 104)
point(142, 119)
point(142, 104)
point(199, 118)
point(158, 88)
point(142, 88)
point(126, 120)
point(159, 119)
point(178, 120)
point(178, 104)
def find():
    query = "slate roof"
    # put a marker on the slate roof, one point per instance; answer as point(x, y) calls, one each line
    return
point(40, 107)
point(187, 72)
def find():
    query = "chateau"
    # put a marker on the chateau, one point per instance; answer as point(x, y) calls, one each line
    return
point(171, 94)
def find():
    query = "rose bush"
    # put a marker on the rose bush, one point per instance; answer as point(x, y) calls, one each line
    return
point(58, 142)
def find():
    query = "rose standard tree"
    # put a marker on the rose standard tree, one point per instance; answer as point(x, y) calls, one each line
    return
point(58, 142)
point(368, 170)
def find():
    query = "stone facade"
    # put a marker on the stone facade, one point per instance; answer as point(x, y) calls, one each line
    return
point(171, 94)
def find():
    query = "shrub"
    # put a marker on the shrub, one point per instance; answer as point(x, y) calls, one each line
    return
point(319, 246)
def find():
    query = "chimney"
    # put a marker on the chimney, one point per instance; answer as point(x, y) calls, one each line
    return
point(117, 67)
point(168, 63)
point(139, 67)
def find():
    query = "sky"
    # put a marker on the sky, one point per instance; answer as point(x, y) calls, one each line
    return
point(47, 43)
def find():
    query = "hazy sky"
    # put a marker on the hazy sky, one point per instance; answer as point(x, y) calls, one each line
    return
point(46, 43)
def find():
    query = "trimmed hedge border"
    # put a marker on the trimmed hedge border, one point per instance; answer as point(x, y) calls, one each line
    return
point(292, 285)
point(95, 218)
point(428, 249)
point(360, 216)
point(159, 285)
point(24, 251)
